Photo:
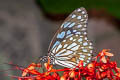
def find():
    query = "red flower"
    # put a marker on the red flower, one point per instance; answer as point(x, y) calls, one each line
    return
point(99, 69)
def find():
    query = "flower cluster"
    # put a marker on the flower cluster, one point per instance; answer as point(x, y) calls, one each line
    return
point(100, 68)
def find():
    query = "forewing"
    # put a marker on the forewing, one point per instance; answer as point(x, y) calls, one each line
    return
point(70, 43)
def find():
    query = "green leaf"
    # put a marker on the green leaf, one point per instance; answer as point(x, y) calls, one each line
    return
point(67, 6)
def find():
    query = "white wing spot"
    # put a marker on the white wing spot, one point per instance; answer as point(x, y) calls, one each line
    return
point(90, 43)
point(79, 40)
point(60, 46)
point(62, 25)
point(60, 52)
point(89, 58)
point(72, 45)
point(71, 38)
point(84, 50)
point(74, 30)
point(73, 16)
point(85, 21)
point(62, 58)
point(66, 24)
point(89, 54)
point(83, 12)
point(85, 43)
point(79, 53)
point(76, 35)
point(64, 63)
point(85, 33)
point(79, 26)
point(69, 35)
point(91, 51)
point(74, 39)
point(82, 47)
point(82, 20)
point(79, 17)
point(84, 64)
point(64, 40)
point(90, 47)
point(79, 10)
point(54, 50)
point(65, 45)
point(85, 25)
point(78, 60)
point(83, 29)
point(83, 56)
point(75, 48)
point(88, 61)
point(85, 16)
point(81, 36)
point(67, 53)
point(71, 25)
point(86, 38)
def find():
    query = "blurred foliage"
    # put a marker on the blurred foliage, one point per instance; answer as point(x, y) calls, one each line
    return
point(67, 6)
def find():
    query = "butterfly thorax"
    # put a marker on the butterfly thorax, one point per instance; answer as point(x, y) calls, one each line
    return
point(51, 57)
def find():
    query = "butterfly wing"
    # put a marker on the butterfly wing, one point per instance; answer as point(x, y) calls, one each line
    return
point(70, 43)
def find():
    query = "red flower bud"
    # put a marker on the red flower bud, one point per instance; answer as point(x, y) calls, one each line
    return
point(72, 74)
point(103, 74)
point(63, 78)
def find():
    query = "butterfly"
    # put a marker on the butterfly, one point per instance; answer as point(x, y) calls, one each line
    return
point(70, 44)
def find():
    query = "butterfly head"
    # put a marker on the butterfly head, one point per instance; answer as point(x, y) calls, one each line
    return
point(44, 59)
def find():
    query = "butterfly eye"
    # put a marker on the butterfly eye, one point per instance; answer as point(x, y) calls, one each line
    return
point(43, 59)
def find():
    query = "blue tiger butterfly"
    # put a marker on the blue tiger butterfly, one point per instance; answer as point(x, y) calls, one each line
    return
point(70, 44)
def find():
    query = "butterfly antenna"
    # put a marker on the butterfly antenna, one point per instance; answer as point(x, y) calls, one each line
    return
point(14, 65)
point(38, 60)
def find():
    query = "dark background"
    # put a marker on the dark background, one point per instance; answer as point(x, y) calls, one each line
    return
point(27, 27)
